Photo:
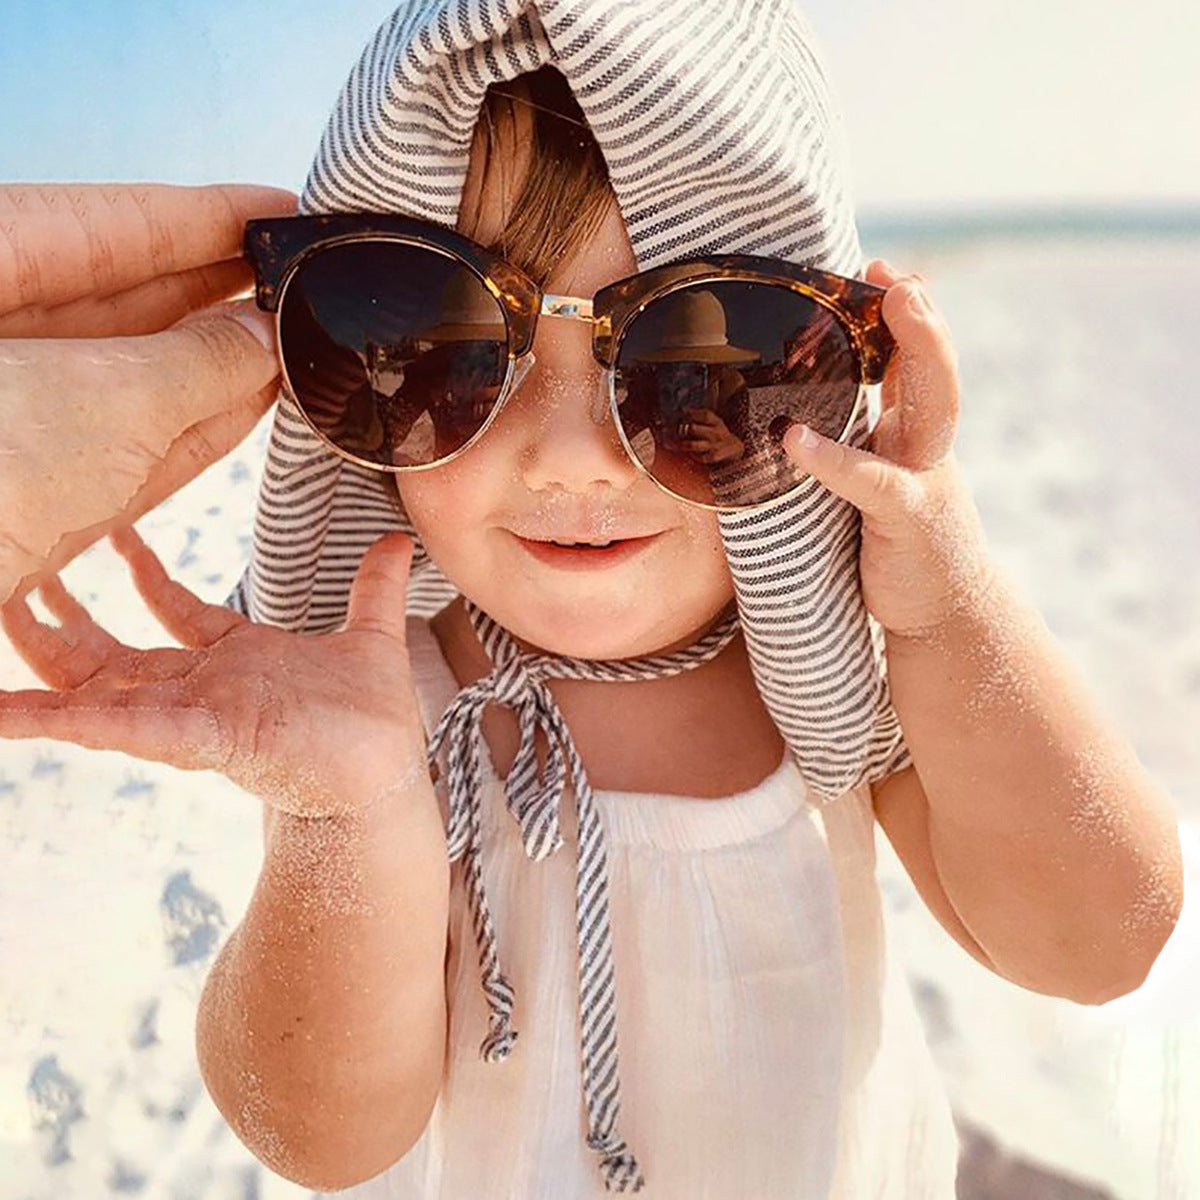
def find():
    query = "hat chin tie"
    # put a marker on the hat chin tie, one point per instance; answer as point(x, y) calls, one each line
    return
point(534, 799)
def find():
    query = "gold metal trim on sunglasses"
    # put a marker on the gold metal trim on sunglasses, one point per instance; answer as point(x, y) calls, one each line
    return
point(278, 246)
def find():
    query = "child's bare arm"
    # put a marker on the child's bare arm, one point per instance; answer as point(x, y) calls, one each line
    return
point(1057, 849)
point(1051, 842)
point(322, 1027)
point(902, 812)
point(322, 1030)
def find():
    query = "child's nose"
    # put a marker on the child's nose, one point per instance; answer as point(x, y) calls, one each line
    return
point(562, 416)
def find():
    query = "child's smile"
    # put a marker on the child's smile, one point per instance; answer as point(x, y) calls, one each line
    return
point(585, 556)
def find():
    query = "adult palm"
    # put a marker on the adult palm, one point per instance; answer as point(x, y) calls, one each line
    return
point(125, 368)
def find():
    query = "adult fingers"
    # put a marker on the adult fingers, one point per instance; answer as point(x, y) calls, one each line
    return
point(380, 589)
point(195, 449)
point(59, 242)
point(113, 408)
point(153, 387)
point(144, 308)
point(187, 618)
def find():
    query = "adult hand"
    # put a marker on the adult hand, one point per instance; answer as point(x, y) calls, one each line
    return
point(707, 438)
point(316, 725)
point(923, 552)
point(124, 370)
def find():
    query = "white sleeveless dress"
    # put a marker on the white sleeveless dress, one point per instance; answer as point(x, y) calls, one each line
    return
point(769, 1047)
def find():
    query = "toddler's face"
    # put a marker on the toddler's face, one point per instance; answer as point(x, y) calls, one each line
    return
point(552, 466)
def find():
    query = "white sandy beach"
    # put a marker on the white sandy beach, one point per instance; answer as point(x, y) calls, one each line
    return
point(121, 878)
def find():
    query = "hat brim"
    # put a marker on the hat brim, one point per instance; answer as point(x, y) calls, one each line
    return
point(725, 353)
point(464, 333)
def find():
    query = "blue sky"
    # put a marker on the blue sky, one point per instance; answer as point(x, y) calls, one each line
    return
point(946, 104)
point(177, 90)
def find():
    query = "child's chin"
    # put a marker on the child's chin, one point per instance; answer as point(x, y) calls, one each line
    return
point(607, 636)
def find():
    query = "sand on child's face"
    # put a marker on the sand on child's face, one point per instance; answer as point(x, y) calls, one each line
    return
point(552, 464)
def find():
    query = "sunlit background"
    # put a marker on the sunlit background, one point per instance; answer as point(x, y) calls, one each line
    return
point(988, 104)
point(1038, 163)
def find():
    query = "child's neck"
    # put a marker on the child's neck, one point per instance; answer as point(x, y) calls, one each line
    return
point(704, 732)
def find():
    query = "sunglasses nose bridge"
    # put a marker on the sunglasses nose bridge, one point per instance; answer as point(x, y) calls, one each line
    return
point(600, 402)
point(581, 308)
point(577, 308)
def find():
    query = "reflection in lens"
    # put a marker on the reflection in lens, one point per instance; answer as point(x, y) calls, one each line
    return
point(396, 353)
point(709, 378)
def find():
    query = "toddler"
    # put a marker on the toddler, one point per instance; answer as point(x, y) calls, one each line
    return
point(578, 567)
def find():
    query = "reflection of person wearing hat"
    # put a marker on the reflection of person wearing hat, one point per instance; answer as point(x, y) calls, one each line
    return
point(694, 334)
point(468, 312)
point(460, 356)
point(693, 328)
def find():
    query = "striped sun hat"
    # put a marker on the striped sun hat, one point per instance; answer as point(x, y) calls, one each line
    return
point(721, 135)
point(719, 129)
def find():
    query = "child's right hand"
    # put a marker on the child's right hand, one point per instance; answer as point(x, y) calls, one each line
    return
point(315, 725)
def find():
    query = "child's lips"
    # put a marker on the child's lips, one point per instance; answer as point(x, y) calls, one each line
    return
point(586, 558)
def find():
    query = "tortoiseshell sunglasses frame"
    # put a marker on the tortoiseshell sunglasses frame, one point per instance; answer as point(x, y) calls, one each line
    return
point(276, 247)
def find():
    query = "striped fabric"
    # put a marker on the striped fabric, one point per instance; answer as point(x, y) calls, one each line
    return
point(534, 799)
point(720, 134)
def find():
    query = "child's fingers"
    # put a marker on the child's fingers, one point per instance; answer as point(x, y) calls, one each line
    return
point(881, 273)
point(74, 617)
point(42, 647)
point(150, 721)
point(876, 486)
point(380, 588)
point(63, 657)
point(79, 631)
point(187, 618)
point(81, 651)
point(920, 396)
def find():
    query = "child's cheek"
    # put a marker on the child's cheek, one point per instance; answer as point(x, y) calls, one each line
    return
point(699, 555)
point(416, 500)
point(430, 504)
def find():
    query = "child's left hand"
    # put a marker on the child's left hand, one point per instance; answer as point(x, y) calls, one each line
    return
point(923, 550)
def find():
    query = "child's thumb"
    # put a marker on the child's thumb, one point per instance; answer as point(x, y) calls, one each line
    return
point(379, 592)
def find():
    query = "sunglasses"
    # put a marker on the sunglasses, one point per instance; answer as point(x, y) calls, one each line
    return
point(401, 340)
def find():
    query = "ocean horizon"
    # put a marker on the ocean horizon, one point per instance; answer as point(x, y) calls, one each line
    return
point(1031, 221)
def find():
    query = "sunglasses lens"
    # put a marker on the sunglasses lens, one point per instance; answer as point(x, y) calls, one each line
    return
point(396, 353)
point(711, 376)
